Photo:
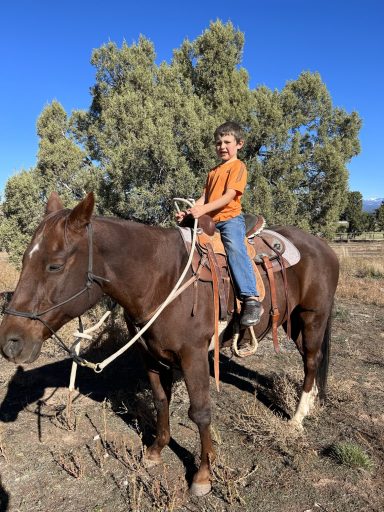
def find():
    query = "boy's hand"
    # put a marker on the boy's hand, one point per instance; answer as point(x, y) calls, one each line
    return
point(197, 211)
point(179, 216)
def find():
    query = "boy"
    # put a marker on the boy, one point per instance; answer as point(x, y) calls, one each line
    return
point(221, 200)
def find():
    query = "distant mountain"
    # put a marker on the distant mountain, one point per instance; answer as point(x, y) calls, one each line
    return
point(370, 205)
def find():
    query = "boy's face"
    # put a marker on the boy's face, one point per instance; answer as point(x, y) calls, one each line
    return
point(227, 147)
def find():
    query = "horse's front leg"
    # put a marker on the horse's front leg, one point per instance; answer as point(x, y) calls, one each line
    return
point(195, 368)
point(161, 384)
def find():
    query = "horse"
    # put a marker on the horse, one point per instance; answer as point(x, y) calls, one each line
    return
point(65, 272)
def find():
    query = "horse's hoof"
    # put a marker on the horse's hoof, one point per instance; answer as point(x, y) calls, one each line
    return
point(296, 425)
point(200, 489)
point(151, 463)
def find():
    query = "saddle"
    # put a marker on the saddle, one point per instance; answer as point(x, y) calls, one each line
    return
point(269, 251)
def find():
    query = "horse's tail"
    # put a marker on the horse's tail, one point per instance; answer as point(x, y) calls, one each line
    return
point(322, 371)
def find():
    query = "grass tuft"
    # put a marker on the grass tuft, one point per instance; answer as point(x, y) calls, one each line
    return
point(350, 454)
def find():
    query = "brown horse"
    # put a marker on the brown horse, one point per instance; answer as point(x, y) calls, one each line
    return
point(66, 271)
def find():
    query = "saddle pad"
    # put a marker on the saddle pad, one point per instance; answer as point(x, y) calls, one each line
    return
point(291, 253)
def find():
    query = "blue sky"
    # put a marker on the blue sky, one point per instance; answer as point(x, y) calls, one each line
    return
point(46, 48)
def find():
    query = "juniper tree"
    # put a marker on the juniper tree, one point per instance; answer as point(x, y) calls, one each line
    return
point(22, 210)
point(379, 214)
point(62, 164)
point(354, 213)
point(150, 127)
point(148, 137)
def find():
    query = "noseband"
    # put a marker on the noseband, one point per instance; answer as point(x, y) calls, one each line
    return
point(90, 279)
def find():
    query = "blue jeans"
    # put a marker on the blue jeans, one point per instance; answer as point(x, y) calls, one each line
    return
point(233, 234)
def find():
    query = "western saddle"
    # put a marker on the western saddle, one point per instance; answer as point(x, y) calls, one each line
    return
point(265, 248)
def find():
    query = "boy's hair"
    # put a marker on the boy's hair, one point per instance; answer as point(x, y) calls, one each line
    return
point(229, 128)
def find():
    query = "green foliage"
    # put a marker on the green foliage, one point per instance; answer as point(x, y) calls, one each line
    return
point(379, 214)
point(354, 214)
point(21, 212)
point(151, 129)
point(63, 166)
point(369, 221)
point(350, 455)
point(148, 137)
point(303, 146)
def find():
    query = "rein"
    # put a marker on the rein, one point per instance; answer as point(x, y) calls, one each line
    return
point(90, 280)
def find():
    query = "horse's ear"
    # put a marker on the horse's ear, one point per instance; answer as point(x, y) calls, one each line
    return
point(80, 216)
point(54, 203)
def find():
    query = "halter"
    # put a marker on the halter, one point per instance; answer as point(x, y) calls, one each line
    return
point(91, 278)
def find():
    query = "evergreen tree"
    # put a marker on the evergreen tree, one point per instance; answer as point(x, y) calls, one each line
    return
point(379, 214)
point(369, 221)
point(22, 210)
point(151, 129)
point(354, 213)
point(63, 165)
point(148, 137)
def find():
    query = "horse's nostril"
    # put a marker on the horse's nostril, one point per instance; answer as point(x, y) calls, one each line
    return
point(13, 347)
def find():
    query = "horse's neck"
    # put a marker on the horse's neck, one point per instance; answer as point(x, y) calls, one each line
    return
point(141, 262)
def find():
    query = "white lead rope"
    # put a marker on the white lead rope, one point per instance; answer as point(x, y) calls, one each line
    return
point(99, 367)
point(83, 335)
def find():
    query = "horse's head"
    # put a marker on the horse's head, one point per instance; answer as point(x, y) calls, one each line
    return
point(55, 269)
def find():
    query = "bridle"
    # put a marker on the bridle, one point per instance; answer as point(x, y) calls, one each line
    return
point(91, 278)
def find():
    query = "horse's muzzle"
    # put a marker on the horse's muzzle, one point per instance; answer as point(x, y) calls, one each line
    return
point(15, 349)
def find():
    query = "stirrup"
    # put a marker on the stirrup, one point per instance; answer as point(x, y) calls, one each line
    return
point(249, 348)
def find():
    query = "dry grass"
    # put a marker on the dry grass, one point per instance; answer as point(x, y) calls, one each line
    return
point(142, 489)
point(71, 462)
point(8, 274)
point(230, 482)
point(362, 278)
point(3, 452)
point(263, 426)
point(342, 391)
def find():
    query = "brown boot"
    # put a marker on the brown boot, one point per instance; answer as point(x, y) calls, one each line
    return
point(251, 312)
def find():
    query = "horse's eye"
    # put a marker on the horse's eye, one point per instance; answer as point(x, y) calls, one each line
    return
point(55, 267)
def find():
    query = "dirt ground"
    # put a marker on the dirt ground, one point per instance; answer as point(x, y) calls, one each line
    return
point(90, 458)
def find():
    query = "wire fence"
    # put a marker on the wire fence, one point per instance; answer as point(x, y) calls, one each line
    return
point(367, 236)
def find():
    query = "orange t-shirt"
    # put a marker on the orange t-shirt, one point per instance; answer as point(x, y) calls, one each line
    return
point(227, 175)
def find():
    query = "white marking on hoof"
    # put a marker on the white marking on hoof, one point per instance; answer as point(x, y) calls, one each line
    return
point(295, 425)
point(307, 401)
point(302, 408)
point(151, 463)
point(200, 489)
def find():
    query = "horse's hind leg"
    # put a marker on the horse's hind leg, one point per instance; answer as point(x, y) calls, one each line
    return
point(196, 374)
point(161, 384)
point(312, 340)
